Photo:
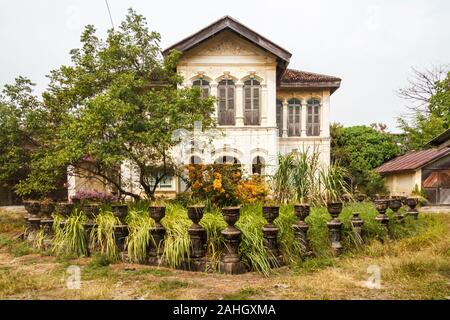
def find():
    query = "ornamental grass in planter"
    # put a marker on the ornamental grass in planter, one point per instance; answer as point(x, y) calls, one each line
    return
point(102, 237)
point(70, 239)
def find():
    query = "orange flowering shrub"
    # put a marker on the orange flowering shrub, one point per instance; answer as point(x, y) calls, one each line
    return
point(215, 183)
point(251, 190)
point(223, 185)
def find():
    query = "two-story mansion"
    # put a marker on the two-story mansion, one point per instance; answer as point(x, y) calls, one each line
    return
point(262, 107)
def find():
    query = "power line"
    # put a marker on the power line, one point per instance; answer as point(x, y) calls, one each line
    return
point(109, 12)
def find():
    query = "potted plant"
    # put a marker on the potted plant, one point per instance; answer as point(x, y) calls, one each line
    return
point(395, 204)
point(334, 208)
point(270, 211)
point(157, 213)
point(33, 207)
point(360, 197)
point(47, 208)
point(302, 211)
point(64, 208)
point(195, 213)
point(231, 215)
point(120, 210)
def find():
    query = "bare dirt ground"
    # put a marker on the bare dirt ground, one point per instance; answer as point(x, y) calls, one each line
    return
point(411, 268)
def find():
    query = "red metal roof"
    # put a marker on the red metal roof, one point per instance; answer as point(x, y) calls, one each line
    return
point(412, 160)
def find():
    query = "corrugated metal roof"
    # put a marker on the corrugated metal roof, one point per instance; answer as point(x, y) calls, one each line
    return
point(412, 160)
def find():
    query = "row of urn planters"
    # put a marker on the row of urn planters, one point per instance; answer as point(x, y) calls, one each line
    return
point(381, 205)
point(40, 217)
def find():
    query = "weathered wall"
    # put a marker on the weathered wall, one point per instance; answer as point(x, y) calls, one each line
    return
point(403, 183)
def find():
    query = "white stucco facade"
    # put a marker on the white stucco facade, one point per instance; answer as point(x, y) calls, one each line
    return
point(227, 56)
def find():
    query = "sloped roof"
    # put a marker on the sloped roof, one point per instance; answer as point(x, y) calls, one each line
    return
point(229, 23)
point(443, 137)
point(302, 79)
point(412, 160)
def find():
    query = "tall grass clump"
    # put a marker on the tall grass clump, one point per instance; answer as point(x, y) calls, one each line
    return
point(177, 242)
point(102, 236)
point(301, 178)
point(214, 224)
point(70, 239)
point(251, 248)
point(138, 239)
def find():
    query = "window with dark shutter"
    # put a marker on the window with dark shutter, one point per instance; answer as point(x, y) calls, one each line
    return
point(313, 118)
point(294, 123)
point(226, 92)
point(252, 93)
point(203, 85)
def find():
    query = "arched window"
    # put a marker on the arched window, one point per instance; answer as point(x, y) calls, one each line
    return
point(258, 165)
point(252, 102)
point(226, 91)
point(294, 123)
point(227, 160)
point(313, 117)
point(203, 85)
point(279, 106)
point(195, 160)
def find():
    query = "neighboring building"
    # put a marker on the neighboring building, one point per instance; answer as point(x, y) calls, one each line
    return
point(427, 170)
point(263, 108)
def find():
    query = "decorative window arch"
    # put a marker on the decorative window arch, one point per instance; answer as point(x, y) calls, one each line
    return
point(252, 102)
point(313, 117)
point(294, 117)
point(258, 165)
point(227, 160)
point(203, 85)
point(226, 97)
point(279, 106)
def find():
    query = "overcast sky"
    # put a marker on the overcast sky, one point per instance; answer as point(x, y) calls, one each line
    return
point(369, 44)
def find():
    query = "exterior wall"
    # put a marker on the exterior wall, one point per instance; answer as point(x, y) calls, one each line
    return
point(303, 143)
point(401, 184)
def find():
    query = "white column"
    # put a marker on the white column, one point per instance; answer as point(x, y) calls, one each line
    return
point(324, 115)
point(303, 118)
point(239, 105)
point(264, 105)
point(285, 118)
point(214, 94)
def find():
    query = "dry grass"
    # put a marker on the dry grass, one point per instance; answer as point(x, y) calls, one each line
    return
point(415, 267)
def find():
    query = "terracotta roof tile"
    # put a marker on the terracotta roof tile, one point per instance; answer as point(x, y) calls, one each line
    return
point(296, 76)
point(412, 160)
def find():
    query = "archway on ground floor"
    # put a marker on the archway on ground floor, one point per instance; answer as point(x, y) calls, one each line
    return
point(258, 164)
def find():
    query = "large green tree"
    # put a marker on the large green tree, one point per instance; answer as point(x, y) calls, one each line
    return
point(360, 149)
point(118, 101)
point(429, 98)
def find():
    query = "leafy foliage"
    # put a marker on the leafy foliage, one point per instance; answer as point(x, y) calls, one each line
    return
point(360, 149)
point(118, 101)
point(434, 117)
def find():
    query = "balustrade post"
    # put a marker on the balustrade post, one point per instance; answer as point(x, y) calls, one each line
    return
point(157, 233)
point(301, 227)
point(231, 262)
